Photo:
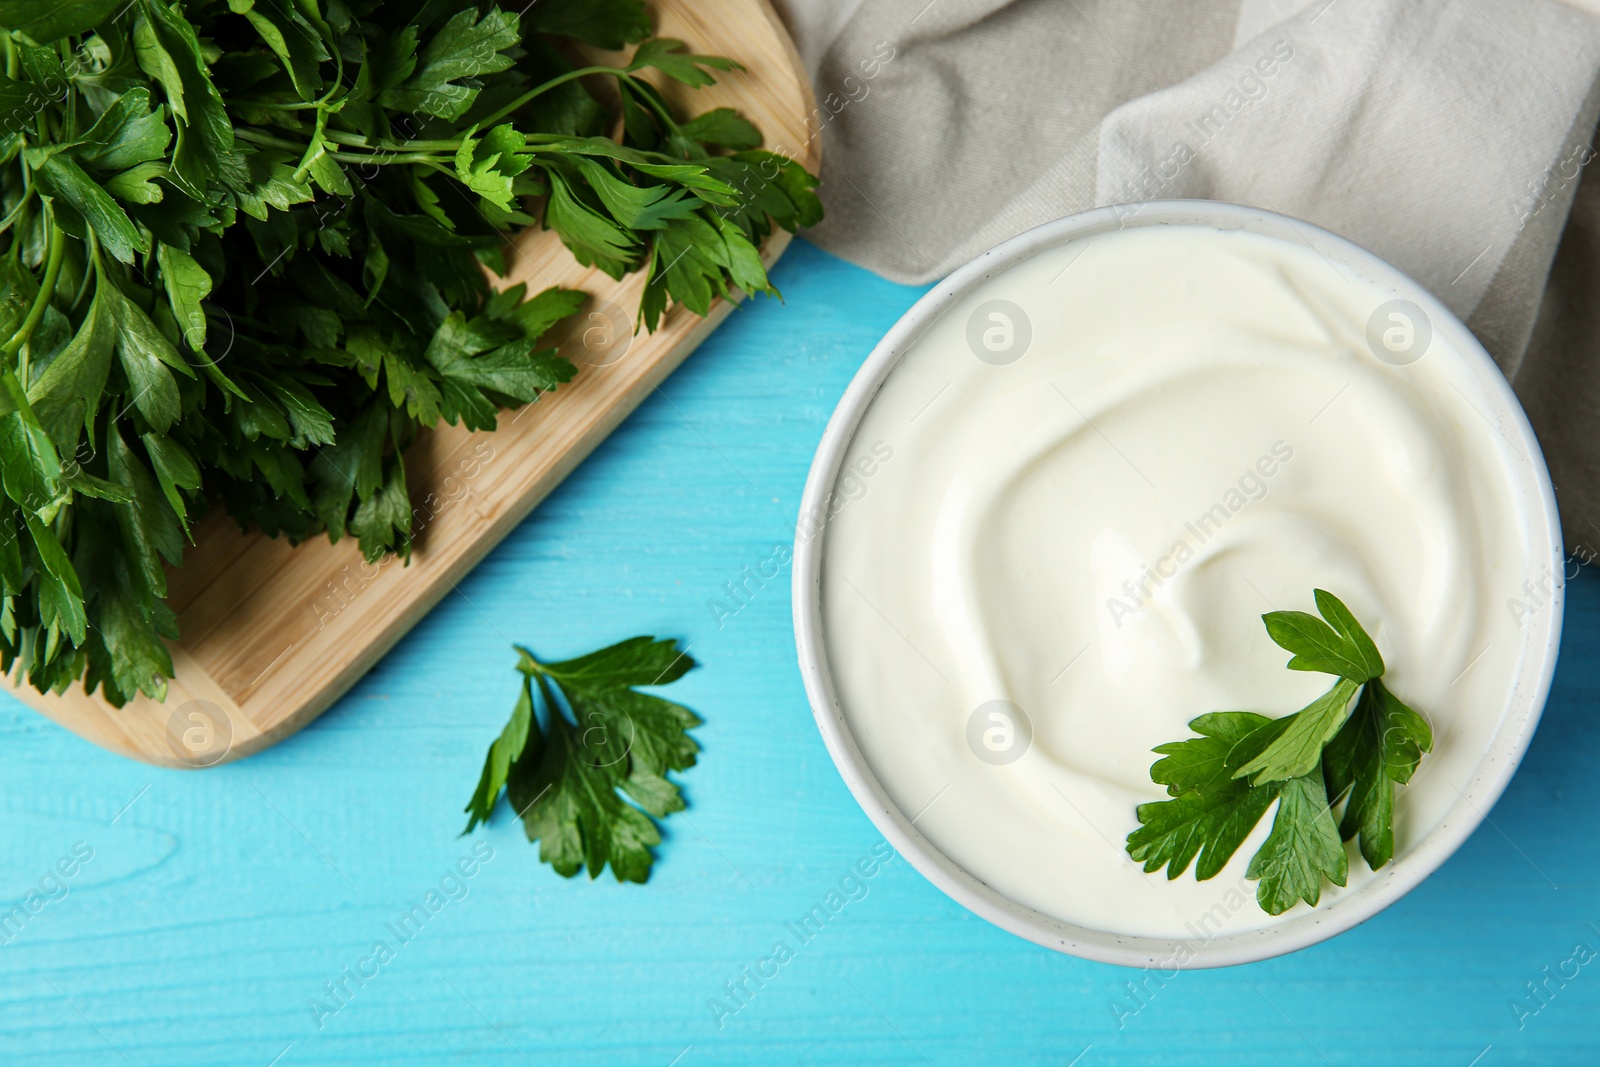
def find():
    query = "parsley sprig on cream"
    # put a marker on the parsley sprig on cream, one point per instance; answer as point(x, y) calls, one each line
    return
point(1352, 744)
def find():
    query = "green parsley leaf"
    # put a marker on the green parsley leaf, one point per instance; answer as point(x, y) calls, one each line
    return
point(167, 47)
point(1223, 781)
point(1338, 646)
point(465, 48)
point(29, 468)
point(1302, 849)
point(562, 759)
point(46, 21)
point(136, 185)
point(1297, 750)
point(116, 231)
point(66, 394)
point(533, 315)
point(187, 284)
point(64, 605)
point(610, 24)
point(1213, 811)
point(149, 528)
point(723, 127)
point(1344, 623)
point(487, 167)
point(175, 471)
point(1380, 745)
point(292, 38)
point(593, 239)
point(271, 185)
point(148, 358)
point(127, 134)
point(497, 765)
point(139, 661)
point(673, 59)
point(647, 207)
point(382, 521)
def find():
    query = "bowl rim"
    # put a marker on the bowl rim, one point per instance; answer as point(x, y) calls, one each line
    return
point(1493, 771)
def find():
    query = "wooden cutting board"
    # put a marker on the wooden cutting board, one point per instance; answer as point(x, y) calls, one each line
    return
point(274, 634)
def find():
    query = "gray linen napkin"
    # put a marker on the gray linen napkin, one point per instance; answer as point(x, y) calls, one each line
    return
point(1448, 137)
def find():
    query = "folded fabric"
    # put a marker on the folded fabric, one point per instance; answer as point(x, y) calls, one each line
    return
point(1449, 138)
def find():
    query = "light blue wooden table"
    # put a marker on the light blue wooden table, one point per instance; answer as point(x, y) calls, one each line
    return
point(217, 905)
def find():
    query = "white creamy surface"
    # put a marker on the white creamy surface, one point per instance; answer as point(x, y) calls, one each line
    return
point(1037, 537)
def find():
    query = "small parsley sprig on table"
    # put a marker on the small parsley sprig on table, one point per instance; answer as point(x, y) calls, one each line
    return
point(1354, 743)
point(565, 754)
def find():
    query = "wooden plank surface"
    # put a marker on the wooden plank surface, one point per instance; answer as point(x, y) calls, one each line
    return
point(273, 634)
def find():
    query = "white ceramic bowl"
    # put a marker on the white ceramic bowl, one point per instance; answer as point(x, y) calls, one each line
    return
point(1542, 631)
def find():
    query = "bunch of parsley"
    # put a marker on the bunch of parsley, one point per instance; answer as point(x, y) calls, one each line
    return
point(1352, 744)
point(242, 252)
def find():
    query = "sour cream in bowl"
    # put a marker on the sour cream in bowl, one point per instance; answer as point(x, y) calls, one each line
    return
point(1048, 514)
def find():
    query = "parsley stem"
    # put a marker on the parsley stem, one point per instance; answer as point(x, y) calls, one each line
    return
point(654, 104)
point(91, 269)
point(356, 140)
point(384, 158)
point(380, 158)
point(47, 287)
point(528, 663)
point(268, 140)
point(27, 196)
point(316, 149)
point(546, 87)
point(299, 105)
point(268, 105)
point(359, 141)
